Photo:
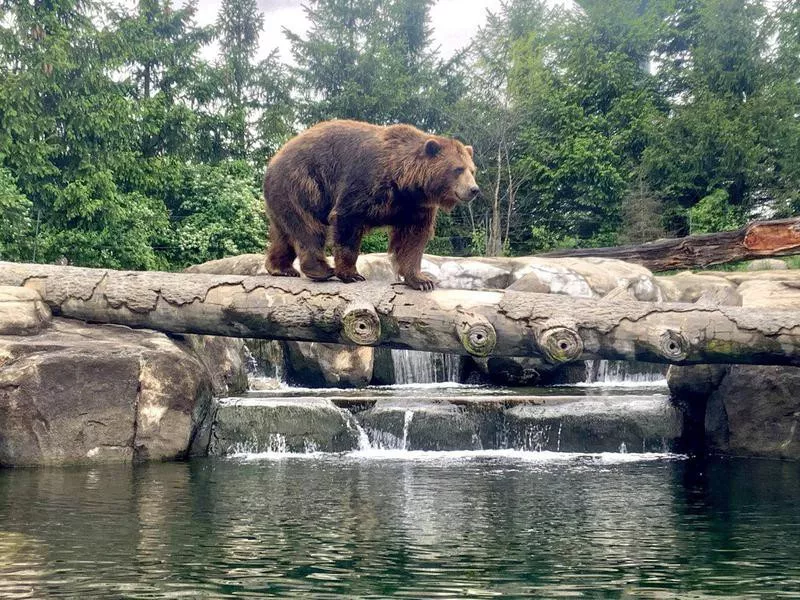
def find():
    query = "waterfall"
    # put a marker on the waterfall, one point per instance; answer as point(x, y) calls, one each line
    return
point(409, 414)
point(612, 372)
point(412, 366)
point(363, 439)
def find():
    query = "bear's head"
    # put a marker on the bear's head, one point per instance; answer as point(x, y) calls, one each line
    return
point(450, 172)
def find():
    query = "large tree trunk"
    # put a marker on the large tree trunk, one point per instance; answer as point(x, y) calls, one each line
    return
point(557, 328)
point(757, 240)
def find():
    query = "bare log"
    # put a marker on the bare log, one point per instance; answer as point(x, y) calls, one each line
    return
point(758, 239)
point(503, 323)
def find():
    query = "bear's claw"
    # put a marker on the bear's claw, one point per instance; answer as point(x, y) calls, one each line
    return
point(350, 277)
point(424, 284)
point(290, 272)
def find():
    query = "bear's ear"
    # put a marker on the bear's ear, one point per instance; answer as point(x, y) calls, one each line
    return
point(432, 147)
point(469, 151)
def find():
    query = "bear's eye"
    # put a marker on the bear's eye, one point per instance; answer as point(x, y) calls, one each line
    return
point(459, 170)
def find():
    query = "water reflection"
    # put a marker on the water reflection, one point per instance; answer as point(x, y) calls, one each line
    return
point(344, 527)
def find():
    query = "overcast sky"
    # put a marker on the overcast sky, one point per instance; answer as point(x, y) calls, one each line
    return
point(454, 22)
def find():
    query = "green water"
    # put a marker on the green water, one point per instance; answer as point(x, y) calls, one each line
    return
point(355, 527)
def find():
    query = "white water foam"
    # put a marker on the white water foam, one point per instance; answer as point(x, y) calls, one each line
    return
point(283, 389)
point(436, 385)
point(521, 456)
point(654, 384)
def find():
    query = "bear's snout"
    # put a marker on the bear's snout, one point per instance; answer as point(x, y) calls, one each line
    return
point(474, 192)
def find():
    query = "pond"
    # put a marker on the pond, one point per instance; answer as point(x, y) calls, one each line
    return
point(414, 525)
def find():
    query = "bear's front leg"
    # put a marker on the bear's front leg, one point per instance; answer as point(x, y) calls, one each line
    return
point(407, 244)
point(419, 281)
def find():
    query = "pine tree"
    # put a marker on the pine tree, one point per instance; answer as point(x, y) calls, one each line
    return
point(372, 61)
point(239, 25)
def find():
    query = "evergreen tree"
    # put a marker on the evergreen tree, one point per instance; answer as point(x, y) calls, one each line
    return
point(159, 48)
point(69, 137)
point(589, 103)
point(239, 25)
point(714, 66)
point(371, 60)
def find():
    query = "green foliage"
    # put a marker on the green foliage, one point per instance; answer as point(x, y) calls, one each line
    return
point(714, 213)
point(375, 241)
point(372, 61)
point(477, 244)
point(221, 215)
point(441, 246)
point(16, 224)
point(123, 145)
point(543, 239)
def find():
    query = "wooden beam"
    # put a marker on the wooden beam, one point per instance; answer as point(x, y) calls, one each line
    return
point(482, 323)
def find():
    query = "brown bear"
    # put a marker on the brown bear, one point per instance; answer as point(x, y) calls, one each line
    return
point(347, 177)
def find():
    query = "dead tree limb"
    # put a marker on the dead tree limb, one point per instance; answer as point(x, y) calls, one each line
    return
point(482, 323)
point(759, 239)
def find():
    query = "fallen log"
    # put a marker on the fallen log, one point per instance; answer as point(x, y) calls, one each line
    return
point(482, 323)
point(758, 239)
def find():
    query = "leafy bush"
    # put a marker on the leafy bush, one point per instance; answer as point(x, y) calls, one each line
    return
point(544, 239)
point(16, 229)
point(714, 213)
point(221, 214)
point(375, 241)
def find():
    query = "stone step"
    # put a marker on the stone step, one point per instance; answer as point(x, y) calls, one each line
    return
point(612, 423)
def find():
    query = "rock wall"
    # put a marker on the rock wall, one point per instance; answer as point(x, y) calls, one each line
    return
point(77, 393)
point(740, 410)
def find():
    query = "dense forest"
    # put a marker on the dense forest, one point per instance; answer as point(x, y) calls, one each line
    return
point(606, 121)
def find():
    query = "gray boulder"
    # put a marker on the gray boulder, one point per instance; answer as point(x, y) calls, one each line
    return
point(22, 311)
point(281, 425)
point(755, 411)
point(243, 264)
point(767, 264)
point(80, 393)
point(315, 364)
point(596, 424)
point(412, 425)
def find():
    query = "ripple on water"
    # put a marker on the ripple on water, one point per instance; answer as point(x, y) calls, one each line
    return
point(476, 524)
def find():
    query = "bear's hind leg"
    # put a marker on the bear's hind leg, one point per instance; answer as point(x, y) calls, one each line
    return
point(281, 253)
point(311, 250)
point(346, 246)
point(300, 227)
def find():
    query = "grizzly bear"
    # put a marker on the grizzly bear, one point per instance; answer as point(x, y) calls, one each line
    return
point(345, 178)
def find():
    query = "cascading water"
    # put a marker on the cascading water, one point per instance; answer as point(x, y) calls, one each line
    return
point(409, 415)
point(412, 366)
point(363, 439)
point(377, 422)
point(616, 372)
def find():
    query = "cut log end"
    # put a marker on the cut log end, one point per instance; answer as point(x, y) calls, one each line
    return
point(360, 324)
point(673, 346)
point(560, 344)
point(477, 335)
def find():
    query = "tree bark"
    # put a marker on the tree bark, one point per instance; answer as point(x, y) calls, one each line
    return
point(482, 323)
point(494, 245)
point(759, 239)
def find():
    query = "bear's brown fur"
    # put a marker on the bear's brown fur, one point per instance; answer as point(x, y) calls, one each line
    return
point(347, 177)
